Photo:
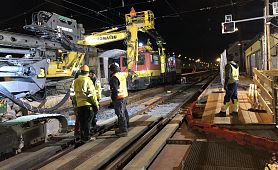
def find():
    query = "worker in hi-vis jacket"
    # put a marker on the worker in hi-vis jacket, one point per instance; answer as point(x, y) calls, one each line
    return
point(85, 95)
point(119, 94)
point(230, 86)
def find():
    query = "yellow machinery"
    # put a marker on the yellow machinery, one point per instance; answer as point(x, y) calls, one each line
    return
point(66, 65)
point(44, 59)
point(135, 21)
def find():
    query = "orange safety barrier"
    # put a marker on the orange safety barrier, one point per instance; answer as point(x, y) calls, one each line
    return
point(241, 138)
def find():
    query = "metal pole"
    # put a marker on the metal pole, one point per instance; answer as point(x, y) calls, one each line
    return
point(15, 51)
point(265, 39)
point(268, 35)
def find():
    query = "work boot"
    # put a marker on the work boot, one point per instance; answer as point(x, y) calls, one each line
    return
point(121, 134)
point(89, 140)
point(223, 110)
point(117, 130)
point(220, 114)
point(234, 114)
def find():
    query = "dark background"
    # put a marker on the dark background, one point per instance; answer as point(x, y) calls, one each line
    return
point(191, 28)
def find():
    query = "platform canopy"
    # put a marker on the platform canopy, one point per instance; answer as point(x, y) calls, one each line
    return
point(115, 53)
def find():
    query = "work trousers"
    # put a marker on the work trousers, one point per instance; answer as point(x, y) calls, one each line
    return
point(94, 113)
point(122, 113)
point(231, 93)
point(85, 118)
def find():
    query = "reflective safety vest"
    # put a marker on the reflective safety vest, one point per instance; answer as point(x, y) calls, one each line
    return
point(72, 94)
point(98, 88)
point(235, 74)
point(122, 89)
point(85, 92)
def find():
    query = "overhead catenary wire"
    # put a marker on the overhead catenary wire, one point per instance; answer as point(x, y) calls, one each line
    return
point(119, 7)
point(173, 9)
point(78, 12)
point(93, 11)
point(173, 15)
point(126, 5)
point(23, 13)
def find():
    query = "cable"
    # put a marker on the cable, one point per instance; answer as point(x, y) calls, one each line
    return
point(78, 12)
point(118, 7)
point(175, 11)
point(88, 9)
point(21, 14)
point(203, 9)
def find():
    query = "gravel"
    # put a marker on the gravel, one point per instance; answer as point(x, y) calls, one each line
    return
point(108, 113)
point(163, 109)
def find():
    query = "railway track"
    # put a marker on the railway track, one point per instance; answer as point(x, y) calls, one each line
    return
point(110, 152)
point(141, 125)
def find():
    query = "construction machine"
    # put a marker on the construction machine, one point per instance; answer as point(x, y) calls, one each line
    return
point(28, 63)
point(28, 66)
point(135, 21)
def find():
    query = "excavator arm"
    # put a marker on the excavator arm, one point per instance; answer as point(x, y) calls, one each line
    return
point(105, 37)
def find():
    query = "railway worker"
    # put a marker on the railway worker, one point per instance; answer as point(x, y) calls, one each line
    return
point(97, 85)
point(118, 89)
point(230, 86)
point(85, 97)
point(74, 104)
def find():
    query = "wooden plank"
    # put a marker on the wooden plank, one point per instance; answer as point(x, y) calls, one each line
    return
point(151, 101)
point(243, 106)
point(60, 162)
point(252, 115)
point(99, 159)
point(265, 105)
point(209, 108)
point(32, 159)
point(267, 118)
point(71, 155)
point(246, 116)
point(272, 72)
point(222, 120)
point(264, 91)
point(147, 155)
point(262, 77)
point(219, 104)
point(213, 106)
point(261, 121)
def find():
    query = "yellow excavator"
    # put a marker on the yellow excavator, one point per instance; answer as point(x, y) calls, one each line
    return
point(58, 52)
point(135, 21)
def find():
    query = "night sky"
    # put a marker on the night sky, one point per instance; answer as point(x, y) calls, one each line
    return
point(189, 27)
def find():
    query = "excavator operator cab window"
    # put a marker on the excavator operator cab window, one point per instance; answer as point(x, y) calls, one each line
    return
point(60, 55)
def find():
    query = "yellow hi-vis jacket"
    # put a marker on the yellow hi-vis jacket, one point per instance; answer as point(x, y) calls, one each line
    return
point(98, 89)
point(72, 93)
point(234, 75)
point(122, 89)
point(85, 91)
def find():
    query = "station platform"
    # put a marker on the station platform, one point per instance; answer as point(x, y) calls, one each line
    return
point(213, 98)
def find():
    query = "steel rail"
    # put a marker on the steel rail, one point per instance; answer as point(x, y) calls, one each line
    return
point(69, 147)
point(131, 152)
